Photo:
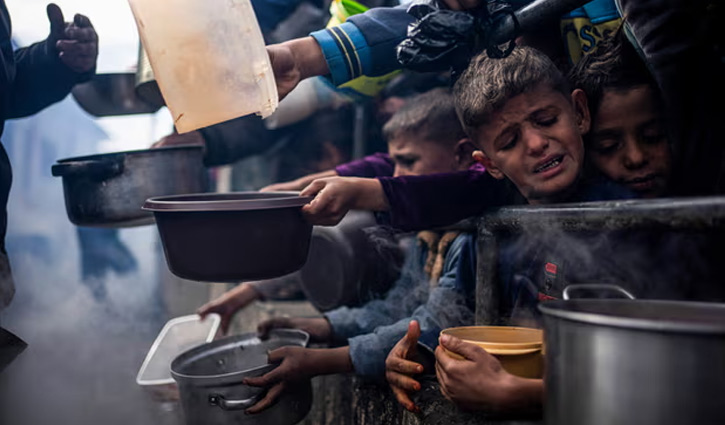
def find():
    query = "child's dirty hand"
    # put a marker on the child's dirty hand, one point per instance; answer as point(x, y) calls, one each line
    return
point(399, 370)
point(228, 304)
point(335, 196)
point(318, 328)
point(296, 364)
point(478, 381)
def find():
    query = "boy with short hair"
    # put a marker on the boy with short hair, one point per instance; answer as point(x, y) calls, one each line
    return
point(628, 142)
point(424, 137)
point(529, 126)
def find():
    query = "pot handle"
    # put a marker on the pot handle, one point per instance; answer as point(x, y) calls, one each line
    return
point(224, 404)
point(595, 287)
point(101, 169)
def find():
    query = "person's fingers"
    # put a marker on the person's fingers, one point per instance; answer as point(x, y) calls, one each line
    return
point(224, 325)
point(402, 365)
point(57, 21)
point(402, 381)
point(265, 327)
point(404, 399)
point(85, 35)
point(82, 21)
point(313, 188)
point(464, 349)
point(276, 356)
point(266, 380)
point(76, 48)
point(410, 341)
point(268, 400)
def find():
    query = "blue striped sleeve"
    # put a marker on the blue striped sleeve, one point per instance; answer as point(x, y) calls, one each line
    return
point(345, 51)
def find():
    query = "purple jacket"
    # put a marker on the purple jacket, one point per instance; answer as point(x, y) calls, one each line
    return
point(434, 200)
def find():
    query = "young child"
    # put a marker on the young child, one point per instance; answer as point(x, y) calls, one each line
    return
point(627, 142)
point(424, 137)
point(529, 126)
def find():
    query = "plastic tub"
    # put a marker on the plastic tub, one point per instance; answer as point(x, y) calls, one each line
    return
point(177, 336)
point(223, 237)
point(520, 350)
point(208, 58)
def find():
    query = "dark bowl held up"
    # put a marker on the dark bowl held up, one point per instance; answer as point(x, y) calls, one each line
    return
point(232, 236)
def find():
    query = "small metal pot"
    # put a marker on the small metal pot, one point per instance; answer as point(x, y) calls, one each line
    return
point(210, 381)
point(109, 190)
point(146, 86)
point(630, 362)
point(219, 237)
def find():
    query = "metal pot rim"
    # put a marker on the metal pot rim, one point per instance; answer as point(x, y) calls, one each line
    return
point(592, 311)
point(101, 156)
point(238, 201)
point(295, 336)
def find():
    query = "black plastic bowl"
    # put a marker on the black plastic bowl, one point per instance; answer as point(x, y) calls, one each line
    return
point(232, 236)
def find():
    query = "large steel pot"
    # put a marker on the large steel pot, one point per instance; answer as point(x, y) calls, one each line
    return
point(210, 381)
point(634, 362)
point(108, 190)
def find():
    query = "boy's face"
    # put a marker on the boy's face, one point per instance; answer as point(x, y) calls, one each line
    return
point(627, 143)
point(414, 156)
point(536, 141)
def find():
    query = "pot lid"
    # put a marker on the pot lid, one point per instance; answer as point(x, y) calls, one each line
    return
point(240, 201)
point(178, 335)
point(655, 315)
point(230, 360)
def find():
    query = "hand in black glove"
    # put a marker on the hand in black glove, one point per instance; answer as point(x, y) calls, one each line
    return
point(76, 43)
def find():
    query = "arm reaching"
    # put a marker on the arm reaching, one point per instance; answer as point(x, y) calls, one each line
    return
point(335, 196)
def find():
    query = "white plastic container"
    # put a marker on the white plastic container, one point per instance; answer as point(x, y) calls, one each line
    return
point(209, 59)
point(177, 336)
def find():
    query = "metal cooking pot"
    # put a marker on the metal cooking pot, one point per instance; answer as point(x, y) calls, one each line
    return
point(344, 265)
point(210, 381)
point(109, 190)
point(146, 86)
point(10, 347)
point(634, 362)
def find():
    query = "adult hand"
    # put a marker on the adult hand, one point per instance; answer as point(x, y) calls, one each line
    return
point(399, 370)
point(76, 42)
point(296, 364)
point(478, 382)
point(335, 196)
point(295, 60)
point(192, 138)
point(318, 328)
point(229, 303)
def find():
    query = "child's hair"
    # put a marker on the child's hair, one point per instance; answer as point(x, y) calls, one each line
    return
point(430, 116)
point(488, 83)
point(614, 66)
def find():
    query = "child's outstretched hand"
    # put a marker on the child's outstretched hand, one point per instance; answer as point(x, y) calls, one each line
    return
point(228, 304)
point(479, 382)
point(318, 328)
point(399, 370)
point(296, 365)
point(335, 196)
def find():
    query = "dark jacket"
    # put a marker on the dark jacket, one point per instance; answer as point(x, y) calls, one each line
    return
point(30, 79)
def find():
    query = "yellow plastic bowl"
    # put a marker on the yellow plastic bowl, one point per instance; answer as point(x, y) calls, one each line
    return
point(520, 350)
